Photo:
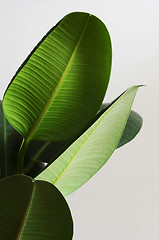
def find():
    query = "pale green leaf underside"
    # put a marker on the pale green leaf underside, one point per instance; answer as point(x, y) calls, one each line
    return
point(92, 149)
point(62, 83)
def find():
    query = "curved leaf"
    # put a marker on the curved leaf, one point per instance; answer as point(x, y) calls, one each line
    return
point(92, 149)
point(61, 85)
point(33, 210)
point(132, 128)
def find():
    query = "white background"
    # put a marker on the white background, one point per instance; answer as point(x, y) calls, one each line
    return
point(121, 202)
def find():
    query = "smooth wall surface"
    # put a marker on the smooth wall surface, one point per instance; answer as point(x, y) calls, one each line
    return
point(121, 202)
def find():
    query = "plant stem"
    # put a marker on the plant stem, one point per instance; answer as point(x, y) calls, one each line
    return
point(20, 157)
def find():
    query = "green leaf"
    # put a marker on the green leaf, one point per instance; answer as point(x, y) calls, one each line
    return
point(10, 141)
point(62, 83)
point(132, 127)
point(48, 151)
point(33, 210)
point(92, 149)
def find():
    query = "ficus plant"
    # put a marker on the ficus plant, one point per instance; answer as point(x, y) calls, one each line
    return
point(55, 131)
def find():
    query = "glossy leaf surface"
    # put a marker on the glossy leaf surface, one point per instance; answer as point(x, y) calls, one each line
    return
point(92, 149)
point(33, 210)
point(62, 83)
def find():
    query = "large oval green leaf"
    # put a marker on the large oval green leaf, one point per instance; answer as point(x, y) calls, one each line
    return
point(61, 85)
point(92, 149)
point(33, 210)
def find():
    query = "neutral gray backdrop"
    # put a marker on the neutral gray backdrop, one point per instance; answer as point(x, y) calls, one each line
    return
point(121, 202)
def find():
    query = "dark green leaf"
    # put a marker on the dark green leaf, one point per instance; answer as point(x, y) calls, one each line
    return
point(10, 141)
point(33, 210)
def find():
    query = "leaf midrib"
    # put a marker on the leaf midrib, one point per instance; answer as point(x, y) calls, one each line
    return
point(100, 121)
point(62, 173)
point(25, 214)
point(33, 129)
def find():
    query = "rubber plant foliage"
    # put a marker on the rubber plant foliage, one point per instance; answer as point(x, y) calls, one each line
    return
point(55, 131)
